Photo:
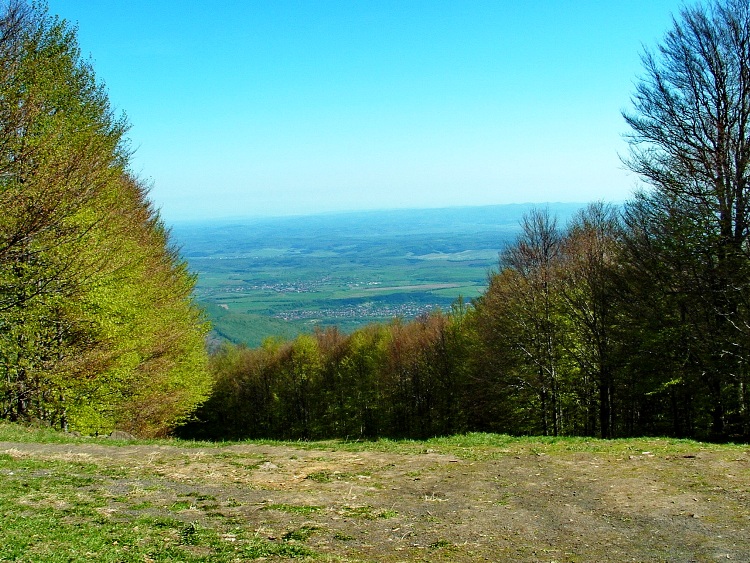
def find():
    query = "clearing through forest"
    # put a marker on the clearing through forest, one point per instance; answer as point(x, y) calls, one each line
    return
point(470, 498)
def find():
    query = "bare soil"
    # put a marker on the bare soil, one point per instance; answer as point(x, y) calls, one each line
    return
point(521, 504)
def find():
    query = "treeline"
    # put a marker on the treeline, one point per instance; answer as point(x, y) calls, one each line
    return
point(567, 340)
point(97, 327)
point(401, 379)
point(582, 331)
point(628, 321)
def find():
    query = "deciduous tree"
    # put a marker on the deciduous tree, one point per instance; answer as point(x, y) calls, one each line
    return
point(690, 142)
point(97, 325)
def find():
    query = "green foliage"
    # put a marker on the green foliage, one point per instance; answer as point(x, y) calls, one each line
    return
point(688, 235)
point(384, 380)
point(97, 327)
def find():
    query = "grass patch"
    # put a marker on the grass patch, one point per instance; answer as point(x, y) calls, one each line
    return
point(328, 476)
point(320, 477)
point(293, 508)
point(479, 446)
point(189, 534)
point(367, 512)
point(471, 446)
point(442, 544)
point(10, 432)
point(300, 534)
point(51, 513)
point(260, 548)
point(141, 505)
point(181, 505)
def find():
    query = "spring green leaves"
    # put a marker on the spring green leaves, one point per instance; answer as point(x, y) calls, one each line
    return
point(97, 327)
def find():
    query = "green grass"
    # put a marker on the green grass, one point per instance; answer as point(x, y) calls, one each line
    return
point(52, 511)
point(320, 477)
point(294, 508)
point(49, 513)
point(300, 534)
point(367, 512)
point(442, 544)
point(485, 446)
point(258, 549)
point(473, 445)
point(18, 433)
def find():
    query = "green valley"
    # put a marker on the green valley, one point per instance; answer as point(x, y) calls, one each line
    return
point(260, 278)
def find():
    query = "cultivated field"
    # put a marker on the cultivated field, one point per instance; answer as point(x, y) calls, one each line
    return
point(470, 498)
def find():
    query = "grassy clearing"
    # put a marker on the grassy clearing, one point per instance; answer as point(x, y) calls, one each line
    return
point(64, 512)
point(459, 498)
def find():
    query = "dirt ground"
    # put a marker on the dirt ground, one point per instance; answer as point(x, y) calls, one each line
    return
point(522, 505)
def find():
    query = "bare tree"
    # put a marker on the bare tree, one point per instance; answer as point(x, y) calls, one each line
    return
point(691, 114)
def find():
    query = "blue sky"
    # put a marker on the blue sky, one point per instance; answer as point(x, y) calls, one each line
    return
point(247, 108)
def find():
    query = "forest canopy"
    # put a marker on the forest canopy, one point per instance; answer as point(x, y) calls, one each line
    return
point(97, 325)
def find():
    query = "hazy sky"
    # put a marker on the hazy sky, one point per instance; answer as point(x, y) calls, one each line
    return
point(274, 107)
